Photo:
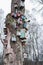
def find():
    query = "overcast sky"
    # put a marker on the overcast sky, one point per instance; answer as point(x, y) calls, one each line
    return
point(5, 5)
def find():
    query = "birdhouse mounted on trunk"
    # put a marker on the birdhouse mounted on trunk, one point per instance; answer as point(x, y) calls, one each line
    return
point(13, 38)
point(18, 33)
point(22, 31)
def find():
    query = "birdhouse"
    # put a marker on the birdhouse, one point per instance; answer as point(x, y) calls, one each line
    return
point(22, 31)
point(18, 33)
point(13, 39)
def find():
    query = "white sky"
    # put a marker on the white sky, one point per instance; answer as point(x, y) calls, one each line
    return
point(5, 5)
